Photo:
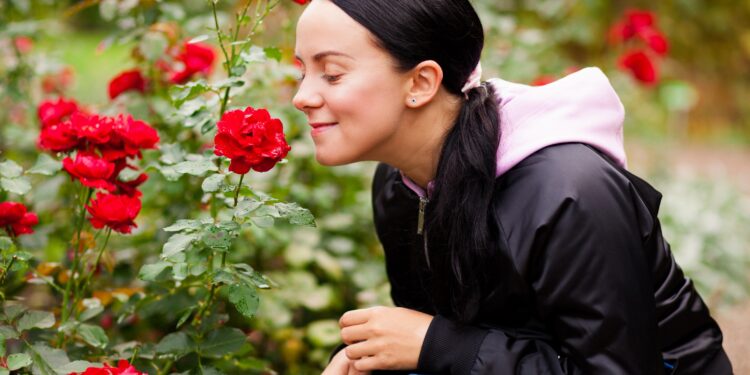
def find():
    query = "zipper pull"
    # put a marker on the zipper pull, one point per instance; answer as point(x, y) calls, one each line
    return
point(420, 221)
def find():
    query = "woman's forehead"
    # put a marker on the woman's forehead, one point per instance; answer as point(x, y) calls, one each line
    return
point(324, 30)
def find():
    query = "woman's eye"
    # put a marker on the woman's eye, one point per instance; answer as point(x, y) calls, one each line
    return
point(331, 78)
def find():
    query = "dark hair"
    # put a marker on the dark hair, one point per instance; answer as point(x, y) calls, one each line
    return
point(458, 223)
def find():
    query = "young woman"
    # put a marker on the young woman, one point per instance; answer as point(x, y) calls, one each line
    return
point(515, 240)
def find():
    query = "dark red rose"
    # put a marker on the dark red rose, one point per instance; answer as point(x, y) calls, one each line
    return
point(130, 136)
point(129, 80)
point(655, 40)
point(640, 65)
point(195, 58)
point(123, 368)
point(251, 139)
point(130, 188)
point(92, 129)
point(60, 137)
point(114, 211)
point(54, 112)
point(14, 217)
point(91, 170)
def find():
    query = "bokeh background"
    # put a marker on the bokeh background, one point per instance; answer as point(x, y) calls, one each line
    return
point(687, 132)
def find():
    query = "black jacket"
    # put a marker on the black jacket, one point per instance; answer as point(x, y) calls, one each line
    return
point(599, 290)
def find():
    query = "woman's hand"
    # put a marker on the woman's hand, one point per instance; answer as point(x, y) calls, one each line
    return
point(341, 365)
point(384, 338)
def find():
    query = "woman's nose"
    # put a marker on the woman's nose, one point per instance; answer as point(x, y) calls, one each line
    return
point(307, 97)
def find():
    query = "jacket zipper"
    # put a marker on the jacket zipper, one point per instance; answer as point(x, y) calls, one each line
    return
point(420, 221)
point(420, 227)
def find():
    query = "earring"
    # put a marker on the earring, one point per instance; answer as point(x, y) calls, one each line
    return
point(413, 100)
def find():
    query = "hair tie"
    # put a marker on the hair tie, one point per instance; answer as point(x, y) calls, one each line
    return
point(474, 80)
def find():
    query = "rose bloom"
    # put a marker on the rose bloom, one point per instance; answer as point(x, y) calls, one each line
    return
point(114, 211)
point(129, 80)
point(640, 66)
point(129, 137)
point(195, 58)
point(251, 139)
point(91, 171)
point(123, 368)
point(53, 112)
point(301, 2)
point(14, 216)
point(60, 137)
point(92, 129)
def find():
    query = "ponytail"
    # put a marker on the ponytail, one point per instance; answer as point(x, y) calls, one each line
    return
point(459, 221)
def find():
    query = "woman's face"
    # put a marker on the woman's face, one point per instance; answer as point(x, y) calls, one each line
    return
point(351, 93)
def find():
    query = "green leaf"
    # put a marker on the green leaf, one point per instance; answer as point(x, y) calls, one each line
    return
point(93, 335)
point(36, 319)
point(195, 167)
point(5, 243)
point(76, 367)
point(263, 221)
point(8, 332)
point(273, 53)
point(296, 214)
point(213, 183)
point(45, 165)
point(228, 82)
point(246, 206)
point(155, 272)
point(180, 271)
point(220, 236)
point(184, 225)
point(13, 311)
point(178, 343)
point(223, 276)
point(17, 361)
point(245, 299)
point(185, 316)
point(177, 244)
point(17, 185)
point(182, 93)
point(253, 54)
point(10, 169)
point(221, 342)
point(47, 359)
point(171, 153)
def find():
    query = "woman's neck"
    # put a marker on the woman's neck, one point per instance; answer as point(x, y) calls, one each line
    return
point(419, 142)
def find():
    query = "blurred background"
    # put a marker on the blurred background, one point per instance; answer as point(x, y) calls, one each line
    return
point(681, 68)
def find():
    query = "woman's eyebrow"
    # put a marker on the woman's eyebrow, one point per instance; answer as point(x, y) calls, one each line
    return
point(321, 55)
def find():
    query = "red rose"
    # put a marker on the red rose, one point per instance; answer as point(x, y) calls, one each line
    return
point(639, 19)
point(127, 81)
point(92, 129)
point(640, 65)
point(130, 188)
point(53, 112)
point(129, 138)
point(251, 139)
point(15, 218)
point(123, 368)
point(301, 2)
point(195, 58)
point(655, 40)
point(60, 137)
point(23, 43)
point(115, 211)
point(91, 170)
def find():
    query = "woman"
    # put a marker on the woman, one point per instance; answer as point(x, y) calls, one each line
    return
point(515, 240)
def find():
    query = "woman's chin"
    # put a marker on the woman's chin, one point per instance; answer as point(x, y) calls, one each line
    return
point(331, 159)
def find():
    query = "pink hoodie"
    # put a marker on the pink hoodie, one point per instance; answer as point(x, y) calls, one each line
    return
point(581, 107)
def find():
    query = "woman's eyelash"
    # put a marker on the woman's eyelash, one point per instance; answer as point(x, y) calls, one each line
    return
point(331, 78)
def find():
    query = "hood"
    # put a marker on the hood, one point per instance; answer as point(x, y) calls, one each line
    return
point(581, 107)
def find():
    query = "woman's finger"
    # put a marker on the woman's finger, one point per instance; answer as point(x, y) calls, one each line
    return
point(354, 317)
point(359, 350)
point(354, 334)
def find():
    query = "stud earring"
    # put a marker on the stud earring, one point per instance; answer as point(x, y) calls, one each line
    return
point(413, 100)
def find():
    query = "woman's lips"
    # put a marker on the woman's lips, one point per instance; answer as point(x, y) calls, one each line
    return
point(320, 127)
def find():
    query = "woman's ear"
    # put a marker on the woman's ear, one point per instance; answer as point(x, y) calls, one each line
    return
point(424, 82)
